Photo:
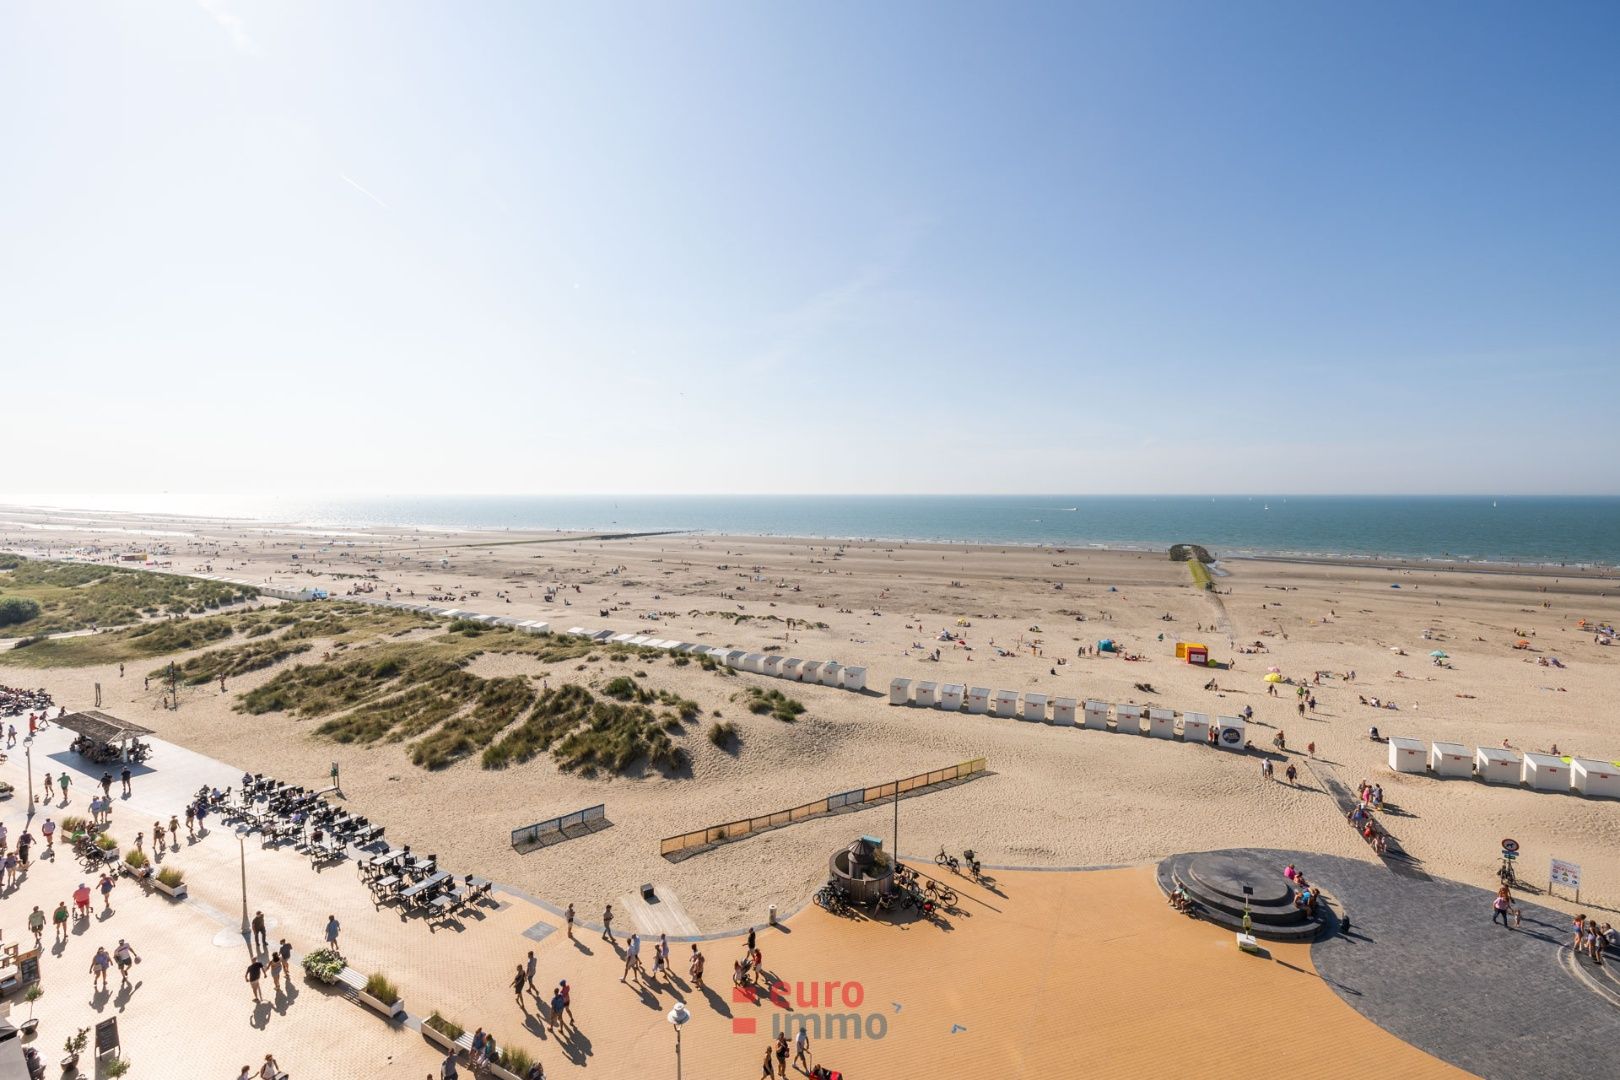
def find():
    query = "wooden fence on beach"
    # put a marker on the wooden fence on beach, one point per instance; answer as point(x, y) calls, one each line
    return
point(844, 800)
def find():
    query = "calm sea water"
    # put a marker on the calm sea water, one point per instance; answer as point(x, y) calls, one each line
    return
point(1576, 530)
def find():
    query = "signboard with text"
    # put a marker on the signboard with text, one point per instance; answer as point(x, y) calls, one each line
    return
point(1567, 874)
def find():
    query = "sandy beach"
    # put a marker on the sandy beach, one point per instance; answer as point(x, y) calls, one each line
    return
point(1053, 796)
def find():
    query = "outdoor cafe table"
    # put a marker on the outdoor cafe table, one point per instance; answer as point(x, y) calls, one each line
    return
point(425, 885)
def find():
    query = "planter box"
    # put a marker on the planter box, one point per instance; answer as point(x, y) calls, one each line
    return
point(439, 1038)
point(502, 1072)
point(176, 893)
point(357, 982)
point(391, 1011)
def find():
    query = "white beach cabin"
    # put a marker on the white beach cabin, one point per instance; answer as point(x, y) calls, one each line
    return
point(1544, 772)
point(899, 691)
point(853, 678)
point(830, 671)
point(622, 638)
point(1497, 766)
point(1006, 703)
point(773, 666)
point(1128, 719)
point(754, 662)
point(1195, 727)
point(1063, 711)
point(1230, 732)
point(1407, 755)
point(978, 700)
point(810, 671)
point(1162, 723)
point(1035, 707)
point(925, 694)
point(735, 659)
point(1096, 715)
point(1451, 759)
point(950, 696)
point(1599, 778)
point(789, 668)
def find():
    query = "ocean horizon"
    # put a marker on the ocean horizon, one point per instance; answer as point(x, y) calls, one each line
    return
point(1544, 530)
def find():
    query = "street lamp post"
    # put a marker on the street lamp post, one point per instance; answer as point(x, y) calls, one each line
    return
point(28, 752)
point(678, 1016)
point(241, 848)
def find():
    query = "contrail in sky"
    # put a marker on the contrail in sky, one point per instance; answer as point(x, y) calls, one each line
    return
point(354, 184)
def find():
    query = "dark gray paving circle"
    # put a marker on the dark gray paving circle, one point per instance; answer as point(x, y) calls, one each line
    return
point(1424, 961)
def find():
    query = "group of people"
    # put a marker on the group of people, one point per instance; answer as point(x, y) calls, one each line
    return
point(1306, 895)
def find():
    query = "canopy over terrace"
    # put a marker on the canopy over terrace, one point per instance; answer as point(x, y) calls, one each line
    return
point(101, 729)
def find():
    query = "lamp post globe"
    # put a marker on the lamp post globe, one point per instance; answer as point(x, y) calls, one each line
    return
point(677, 1017)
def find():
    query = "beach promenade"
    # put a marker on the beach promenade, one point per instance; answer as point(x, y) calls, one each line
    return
point(1032, 974)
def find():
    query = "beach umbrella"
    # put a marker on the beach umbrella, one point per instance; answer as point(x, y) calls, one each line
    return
point(1440, 653)
point(1273, 677)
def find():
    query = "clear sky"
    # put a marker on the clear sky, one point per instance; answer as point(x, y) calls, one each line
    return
point(323, 246)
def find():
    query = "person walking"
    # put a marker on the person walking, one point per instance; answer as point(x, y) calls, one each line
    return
point(255, 972)
point(801, 1048)
point(36, 923)
point(124, 776)
point(63, 784)
point(570, 917)
point(285, 951)
point(106, 783)
point(271, 1069)
point(124, 955)
point(528, 971)
point(781, 1055)
point(191, 822)
point(50, 788)
point(277, 969)
point(607, 923)
point(695, 967)
point(632, 957)
point(106, 885)
point(567, 993)
point(517, 986)
point(332, 929)
point(59, 919)
point(1499, 907)
point(99, 964)
point(48, 831)
point(261, 940)
point(554, 1021)
point(769, 1073)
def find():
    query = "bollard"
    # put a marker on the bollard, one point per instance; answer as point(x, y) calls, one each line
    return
point(773, 914)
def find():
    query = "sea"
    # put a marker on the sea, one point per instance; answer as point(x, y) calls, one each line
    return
point(1543, 530)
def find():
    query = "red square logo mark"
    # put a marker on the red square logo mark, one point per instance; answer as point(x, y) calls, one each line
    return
point(744, 995)
point(742, 1025)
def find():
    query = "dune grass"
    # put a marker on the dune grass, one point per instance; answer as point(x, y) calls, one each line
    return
point(77, 596)
point(774, 702)
point(341, 622)
point(585, 734)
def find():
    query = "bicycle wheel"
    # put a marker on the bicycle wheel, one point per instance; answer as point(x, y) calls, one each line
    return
point(945, 897)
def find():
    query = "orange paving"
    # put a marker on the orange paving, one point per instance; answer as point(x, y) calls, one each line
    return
point(1054, 974)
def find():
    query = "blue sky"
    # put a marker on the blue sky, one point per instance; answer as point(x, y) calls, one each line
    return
point(282, 246)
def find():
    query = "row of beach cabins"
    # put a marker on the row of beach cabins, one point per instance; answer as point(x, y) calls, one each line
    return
point(1493, 765)
point(1155, 722)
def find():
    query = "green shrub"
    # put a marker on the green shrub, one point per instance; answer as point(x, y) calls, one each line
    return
point(136, 860)
point(17, 609)
point(723, 734)
point(324, 965)
point(105, 842)
point(171, 876)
